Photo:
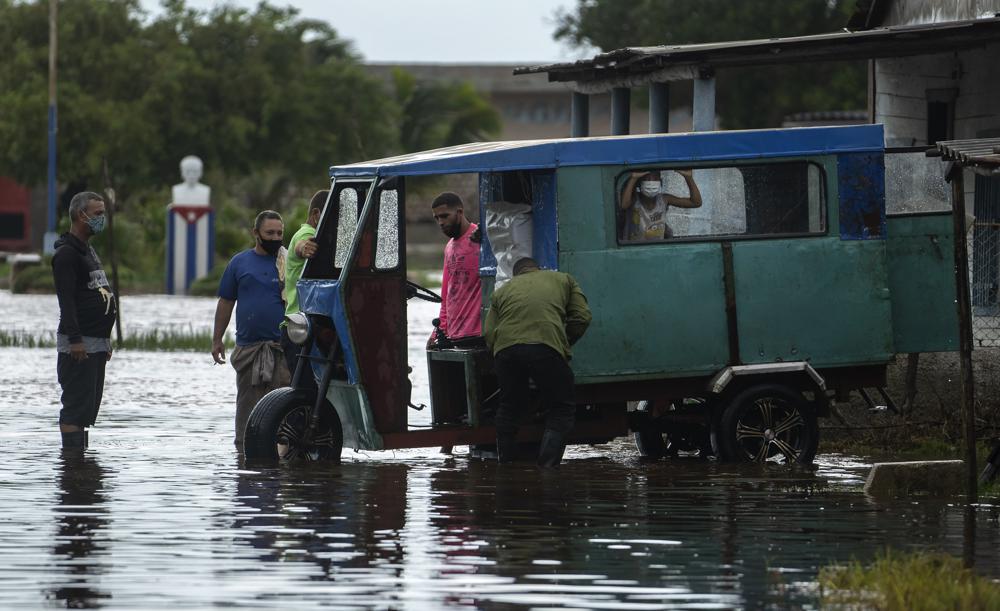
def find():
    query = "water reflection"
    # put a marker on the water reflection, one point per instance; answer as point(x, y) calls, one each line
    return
point(162, 494)
point(336, 518)
point(81, 520)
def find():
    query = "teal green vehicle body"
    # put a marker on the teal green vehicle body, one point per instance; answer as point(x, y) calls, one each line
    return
point(840, 294)
point(920, 255)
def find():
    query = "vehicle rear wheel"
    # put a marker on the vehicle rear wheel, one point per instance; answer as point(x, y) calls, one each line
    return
point(651, 445)
point(275, 431)
point(658, 435)
point(768, 423)
point(648, 438)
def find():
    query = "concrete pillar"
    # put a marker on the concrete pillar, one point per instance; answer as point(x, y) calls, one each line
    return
point(621, 99)
point(659, 108)
point(704, 104)
point(580, 116)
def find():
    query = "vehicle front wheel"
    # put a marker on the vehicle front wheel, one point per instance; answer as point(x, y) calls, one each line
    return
point(768, 423)
point(277, 426)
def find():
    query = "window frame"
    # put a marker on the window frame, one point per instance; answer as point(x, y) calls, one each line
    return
point(621, 178)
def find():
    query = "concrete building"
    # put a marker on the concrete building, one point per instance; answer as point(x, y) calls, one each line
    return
point(941, 96)
point(952, 95)
point(530, 106)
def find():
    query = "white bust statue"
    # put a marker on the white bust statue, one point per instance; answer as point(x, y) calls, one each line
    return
point(191, 192)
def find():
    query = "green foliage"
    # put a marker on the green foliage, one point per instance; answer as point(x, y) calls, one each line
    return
point(748, 97)
point(267, 99)
point(208, 285)
point(241, 89)
point(435, 115)
point(35, 279)
point(907, 582)
point(253, 93)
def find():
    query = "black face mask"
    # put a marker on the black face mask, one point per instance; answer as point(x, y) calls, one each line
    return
point(270, 246)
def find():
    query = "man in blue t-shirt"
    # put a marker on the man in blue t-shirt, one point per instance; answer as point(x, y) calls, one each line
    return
point(252, 284)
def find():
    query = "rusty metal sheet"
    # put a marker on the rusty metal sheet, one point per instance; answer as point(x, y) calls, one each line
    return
point(861, 183)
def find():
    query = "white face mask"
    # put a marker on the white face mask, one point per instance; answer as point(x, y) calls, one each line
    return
point(649, 188)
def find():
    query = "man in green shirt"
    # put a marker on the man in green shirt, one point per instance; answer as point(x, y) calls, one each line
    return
point(532, 322)
point(302, 246)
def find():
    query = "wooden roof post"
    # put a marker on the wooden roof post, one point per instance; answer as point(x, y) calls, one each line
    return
point(955, 176)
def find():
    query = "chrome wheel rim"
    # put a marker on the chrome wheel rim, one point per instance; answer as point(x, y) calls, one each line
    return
point(289, 442)
point(771, 429)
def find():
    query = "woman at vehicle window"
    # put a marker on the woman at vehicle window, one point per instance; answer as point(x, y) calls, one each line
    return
point(647, 219)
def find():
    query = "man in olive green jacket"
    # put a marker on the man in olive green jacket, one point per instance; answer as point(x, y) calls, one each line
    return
point(532, 322)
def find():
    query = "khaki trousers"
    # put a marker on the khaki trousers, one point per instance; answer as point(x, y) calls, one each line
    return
point(248, 393)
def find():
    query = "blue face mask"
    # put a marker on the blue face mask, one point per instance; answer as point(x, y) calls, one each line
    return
point(96, 223)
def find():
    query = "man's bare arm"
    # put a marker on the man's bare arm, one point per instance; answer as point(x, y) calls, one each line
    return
point(223, 314)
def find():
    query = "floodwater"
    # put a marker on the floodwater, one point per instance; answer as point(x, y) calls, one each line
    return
point(159, 513)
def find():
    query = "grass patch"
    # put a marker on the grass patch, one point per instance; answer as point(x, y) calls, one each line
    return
point(428, 278)
point(918, 448)
point(903, 582)
point(18, 339)
point(156, 340)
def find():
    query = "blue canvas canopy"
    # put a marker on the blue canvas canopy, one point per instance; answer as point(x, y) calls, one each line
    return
point(609, 150)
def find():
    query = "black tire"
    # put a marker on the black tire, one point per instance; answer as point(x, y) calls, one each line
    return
point(652, 445)
point(769, 422)
point(649, 441)
point(280, 418)
point(655, 439)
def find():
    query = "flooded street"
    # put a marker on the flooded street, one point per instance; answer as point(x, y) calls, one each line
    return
point(159, 513)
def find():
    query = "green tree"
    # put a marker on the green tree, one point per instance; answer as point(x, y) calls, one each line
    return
point(103, 71)
point(267, 99)
point(748, 97)
point(433, 115)
point(244, 90)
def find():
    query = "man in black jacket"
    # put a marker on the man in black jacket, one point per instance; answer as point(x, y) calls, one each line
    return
point(86, 316)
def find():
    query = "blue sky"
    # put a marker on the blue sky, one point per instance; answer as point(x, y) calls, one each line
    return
point(455, 31)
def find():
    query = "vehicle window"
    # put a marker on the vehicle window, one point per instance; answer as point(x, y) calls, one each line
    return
point(346, 227)
point(387, 242)
point(662, 204)
point(915, 182)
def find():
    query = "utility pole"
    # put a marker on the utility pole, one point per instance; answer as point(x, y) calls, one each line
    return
point(50, 233)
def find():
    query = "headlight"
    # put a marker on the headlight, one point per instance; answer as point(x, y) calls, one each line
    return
point(299, 328)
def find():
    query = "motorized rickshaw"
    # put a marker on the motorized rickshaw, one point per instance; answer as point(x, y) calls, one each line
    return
point(788, 288)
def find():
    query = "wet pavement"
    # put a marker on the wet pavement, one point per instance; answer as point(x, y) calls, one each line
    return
point(160, 513)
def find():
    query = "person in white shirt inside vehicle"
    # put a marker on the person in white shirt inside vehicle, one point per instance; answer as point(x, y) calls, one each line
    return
point(645, 204)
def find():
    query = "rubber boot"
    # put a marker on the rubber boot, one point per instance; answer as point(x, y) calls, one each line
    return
point(550, 452)
point(75, 440)
point(506, 447)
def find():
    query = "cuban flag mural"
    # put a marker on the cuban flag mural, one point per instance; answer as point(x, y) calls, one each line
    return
point(190, 245)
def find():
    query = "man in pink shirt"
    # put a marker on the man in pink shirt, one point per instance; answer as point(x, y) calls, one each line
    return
point(461, 298)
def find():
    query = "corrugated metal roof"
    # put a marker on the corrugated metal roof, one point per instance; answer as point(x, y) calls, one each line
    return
point(633, 66)
point(980, 152)
point(609, 150)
